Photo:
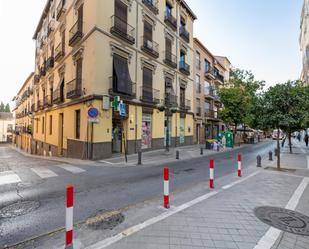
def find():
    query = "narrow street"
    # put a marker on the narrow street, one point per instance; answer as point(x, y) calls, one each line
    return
point(40, 187)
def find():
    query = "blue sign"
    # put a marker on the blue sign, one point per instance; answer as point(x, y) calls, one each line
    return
point(93, 112)
point(122, 109)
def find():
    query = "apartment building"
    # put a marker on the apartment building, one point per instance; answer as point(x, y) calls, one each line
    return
point(304, 42)
point(210, 72)
point(95, 55)
point(6, 127)
point(24, 114)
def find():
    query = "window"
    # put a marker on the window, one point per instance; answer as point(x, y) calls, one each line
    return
point(182, 56)
point(207, 88)
point(168, 49)
point(198, 60)
point(121, 78)
point(168, 9)
point(43, 125)
point(79, 74)
point(207, 106)
point(182, 96)
point(121, 16)
point(182, 22)
point(77, 124)
point(50, 125)
point(197, 84)
point(37, 126)
point(148, 35)
point(63, 41)
point(207, 66)
point(147, 84)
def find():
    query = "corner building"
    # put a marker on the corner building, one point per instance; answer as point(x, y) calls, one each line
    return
point(89, 52)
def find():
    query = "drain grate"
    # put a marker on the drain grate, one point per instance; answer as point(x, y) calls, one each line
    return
point(18, 209)
point(105, 220)
point(284, 219)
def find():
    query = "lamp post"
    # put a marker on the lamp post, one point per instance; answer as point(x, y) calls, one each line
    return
point(167, 113)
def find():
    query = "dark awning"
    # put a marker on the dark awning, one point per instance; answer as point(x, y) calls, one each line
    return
point(122, 83)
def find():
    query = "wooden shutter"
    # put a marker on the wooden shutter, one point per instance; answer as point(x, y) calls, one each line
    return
point(79, 73)
point(168, 49)
point(147, 84)
point(121, 16)
point(80, 18)
point(182, 97)
point(122, 81)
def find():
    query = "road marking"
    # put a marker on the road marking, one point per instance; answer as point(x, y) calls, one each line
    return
point(71, 168)
point(43, 172)
point(239, 181)
point(102, 161)
point(8, 177)
point(271, 236)
point(173, 210)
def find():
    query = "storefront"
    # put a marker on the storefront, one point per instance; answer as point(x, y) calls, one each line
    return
point(182, 131)
point(117, 136)
point(146, 131)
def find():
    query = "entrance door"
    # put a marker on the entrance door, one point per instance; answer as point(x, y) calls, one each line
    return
point(197, 133)
point(169, 125)
point(146, 131)
point(182, 131)
point(60, 138)
point(117, 136)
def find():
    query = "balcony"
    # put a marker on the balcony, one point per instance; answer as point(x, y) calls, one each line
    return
point(150, 95)
point(59, 53)
point(185, 105)
point(47, 101)
point(170, 59)
point(60, 9)
point(209, 72)
point(76, 33)
point(43, 70)
point(58, 96)
point(211, 114)
point(219, 78)
point(152, 5)
point(122, 30)
point(36, 78)
point(51, 27)
point(184, 34)
point(170, 21)
point(50, 63)
point(74, 89)
point(150, 47)
point(126, 91)
point(171, 100)
point(184, 68)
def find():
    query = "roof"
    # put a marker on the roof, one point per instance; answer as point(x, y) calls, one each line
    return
point(202, 46)
point(223, 57)
point(44, 14)
point(186, 6)
point(6, 116)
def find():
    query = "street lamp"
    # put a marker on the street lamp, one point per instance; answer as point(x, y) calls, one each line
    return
point(167, 113)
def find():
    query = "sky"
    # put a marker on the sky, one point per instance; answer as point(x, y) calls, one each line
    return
point(257, 35)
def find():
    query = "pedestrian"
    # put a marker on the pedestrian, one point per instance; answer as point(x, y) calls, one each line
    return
point(306, 139)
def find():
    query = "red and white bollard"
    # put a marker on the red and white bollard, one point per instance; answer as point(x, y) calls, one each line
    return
point(211, 173)
point(69, 218)
point(166, 201)
point(239, 165)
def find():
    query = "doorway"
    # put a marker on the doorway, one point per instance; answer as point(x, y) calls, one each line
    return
point(146, 131)
point(117, 136)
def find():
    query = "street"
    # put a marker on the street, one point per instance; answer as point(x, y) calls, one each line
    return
point(97, 188)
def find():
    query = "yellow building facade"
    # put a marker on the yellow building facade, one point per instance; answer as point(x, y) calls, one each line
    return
point(24, 111)
point(91, 55)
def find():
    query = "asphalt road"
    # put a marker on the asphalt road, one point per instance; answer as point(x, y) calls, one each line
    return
point(98, 188)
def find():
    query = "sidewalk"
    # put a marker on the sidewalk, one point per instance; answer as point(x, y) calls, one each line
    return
point(149, 158)
point(224, 218)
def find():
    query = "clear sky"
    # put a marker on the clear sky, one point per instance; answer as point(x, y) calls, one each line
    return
point(258, 35)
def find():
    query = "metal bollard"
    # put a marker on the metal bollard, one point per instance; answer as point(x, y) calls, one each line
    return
point(202, 151)
point(177, 154)
point(139, 154)
point(258, 161)
point(270, 153)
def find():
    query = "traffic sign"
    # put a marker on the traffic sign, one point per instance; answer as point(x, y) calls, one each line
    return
point(93, 112)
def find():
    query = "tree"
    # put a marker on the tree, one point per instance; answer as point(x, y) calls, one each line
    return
point(2, 107)
point(238, 97)
point(7, 108)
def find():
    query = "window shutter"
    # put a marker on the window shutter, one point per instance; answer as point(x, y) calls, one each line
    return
point(168, 49)
point(121, 16)
point(122, 80)
point(147, 84)
point(147, 31)
point(80, 17)
point(79, 73)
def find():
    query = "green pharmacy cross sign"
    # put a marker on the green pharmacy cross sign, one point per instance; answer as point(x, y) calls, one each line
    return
point(116, 102)
point(119, 106)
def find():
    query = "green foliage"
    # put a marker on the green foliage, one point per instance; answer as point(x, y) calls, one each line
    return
point(4, 108)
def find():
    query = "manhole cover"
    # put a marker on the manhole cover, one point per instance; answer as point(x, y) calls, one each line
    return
point(105, 220)
point(284, 219)
point(18, 208)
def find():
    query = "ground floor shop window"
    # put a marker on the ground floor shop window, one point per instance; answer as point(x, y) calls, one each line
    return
point(146, 131)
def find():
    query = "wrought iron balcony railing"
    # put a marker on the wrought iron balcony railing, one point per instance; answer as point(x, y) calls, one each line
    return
point(184, 34)
point(170, 59)
point(184, 68)
point(50, 63)
point(76, 33)
point(59, 52)
point(170, 20)
point(74, 88)
point(150, 47)
point(122, 30)
point(149, 94)
point(127, 90)
point(152, 5)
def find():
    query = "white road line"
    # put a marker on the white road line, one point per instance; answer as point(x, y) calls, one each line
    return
point(71, 168)
point(43, 172)
point(271, 236)
point(109, 241)
point(239, 181)
point(8, 177)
